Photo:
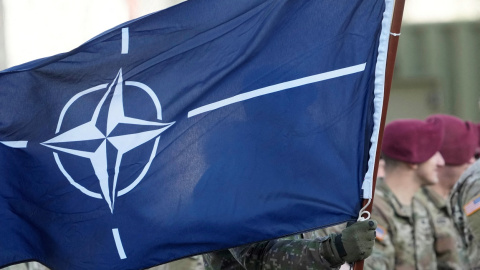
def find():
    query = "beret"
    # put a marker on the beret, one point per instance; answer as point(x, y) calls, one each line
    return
point(411, 140)
point(460, 139)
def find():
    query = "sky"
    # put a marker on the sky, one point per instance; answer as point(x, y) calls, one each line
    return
point(41, 28)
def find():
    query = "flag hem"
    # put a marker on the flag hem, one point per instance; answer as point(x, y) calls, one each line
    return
point(379, 89)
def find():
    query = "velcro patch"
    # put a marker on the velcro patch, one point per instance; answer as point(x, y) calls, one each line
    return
point(380, 233)
point(472, 206)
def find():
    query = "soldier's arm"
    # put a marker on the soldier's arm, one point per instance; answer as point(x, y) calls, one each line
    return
point(383, 255)
point(282, 254)
point(221, 259)
point(354, 243)
point(326, 231)
point(471, 206)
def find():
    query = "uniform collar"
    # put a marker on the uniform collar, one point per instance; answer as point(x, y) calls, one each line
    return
point(435, 198)
point(400, 209)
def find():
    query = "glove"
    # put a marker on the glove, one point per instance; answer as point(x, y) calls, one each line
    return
point(353, 244)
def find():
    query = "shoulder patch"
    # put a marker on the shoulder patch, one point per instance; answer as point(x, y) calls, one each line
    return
point(472, 206)
point(380, 233)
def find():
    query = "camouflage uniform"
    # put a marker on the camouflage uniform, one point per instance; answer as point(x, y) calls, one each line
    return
point(463, 194)
point(20, 266)
point(190, 263)
point(36, 266)
point(325, 231)
point(26, 266)
point(288, 253)
point(447, 241)
point(404, 238)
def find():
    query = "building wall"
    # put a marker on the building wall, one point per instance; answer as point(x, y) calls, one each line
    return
point(438, 67)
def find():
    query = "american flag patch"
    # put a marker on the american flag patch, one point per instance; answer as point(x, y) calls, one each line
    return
point(380, 233)
point(472, 206)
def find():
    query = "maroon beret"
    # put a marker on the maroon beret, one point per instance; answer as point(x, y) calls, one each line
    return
point(477, 151)
point(412, 141)
point(460, 139)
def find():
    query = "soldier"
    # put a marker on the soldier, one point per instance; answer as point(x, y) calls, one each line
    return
point(458, 150)
point(404, 233)
point(464, 204)
point(294, 253)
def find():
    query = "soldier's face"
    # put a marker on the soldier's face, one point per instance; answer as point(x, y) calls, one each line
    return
point(449, 174)
point(427, 172)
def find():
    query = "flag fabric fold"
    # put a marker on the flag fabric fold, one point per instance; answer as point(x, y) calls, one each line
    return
point(201, 127)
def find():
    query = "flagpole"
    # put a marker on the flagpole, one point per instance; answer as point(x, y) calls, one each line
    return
point(390, 65)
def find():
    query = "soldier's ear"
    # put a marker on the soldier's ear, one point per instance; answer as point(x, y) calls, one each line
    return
point(412, 166)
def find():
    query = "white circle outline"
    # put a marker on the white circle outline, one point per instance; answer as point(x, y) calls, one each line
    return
point(124, 191)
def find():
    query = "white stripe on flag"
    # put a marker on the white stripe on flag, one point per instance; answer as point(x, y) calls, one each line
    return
point(16, 144)
point(125, 40)
point(118, 243)
point(279, 87)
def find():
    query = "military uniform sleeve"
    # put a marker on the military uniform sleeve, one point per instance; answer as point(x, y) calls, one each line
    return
point(471, 206)
point(383, 255)
point(444, 233)
point(284, 254)
point(328, 230)
point(222, 259)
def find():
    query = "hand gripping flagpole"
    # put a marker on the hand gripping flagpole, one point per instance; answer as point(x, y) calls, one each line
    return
point(390, 65)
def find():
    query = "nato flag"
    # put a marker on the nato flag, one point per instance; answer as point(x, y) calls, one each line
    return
point(205, 126)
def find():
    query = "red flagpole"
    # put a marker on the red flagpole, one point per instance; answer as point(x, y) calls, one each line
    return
point(391, 56)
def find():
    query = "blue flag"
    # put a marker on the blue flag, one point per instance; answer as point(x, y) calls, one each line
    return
point(205, 126)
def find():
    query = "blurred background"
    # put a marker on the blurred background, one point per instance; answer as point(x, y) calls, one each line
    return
point(437, 67)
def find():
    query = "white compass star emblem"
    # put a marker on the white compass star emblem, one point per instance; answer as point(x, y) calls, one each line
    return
point(122, 143)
